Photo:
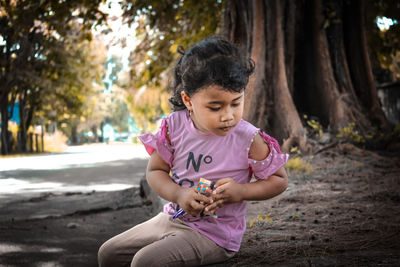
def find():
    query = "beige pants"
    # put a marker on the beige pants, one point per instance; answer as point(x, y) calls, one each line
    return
point(161, 241)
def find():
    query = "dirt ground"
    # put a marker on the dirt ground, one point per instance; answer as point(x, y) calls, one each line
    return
point(345, 213)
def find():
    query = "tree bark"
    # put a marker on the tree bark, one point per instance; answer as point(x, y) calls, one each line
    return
point(285, 122)
point(328, 101)
point(359, 62)
point(335, 34)
point(4, 127)
point(268, 103)
point(5, 88)
point(310, 59)
point(290, 15)
point(22, 142)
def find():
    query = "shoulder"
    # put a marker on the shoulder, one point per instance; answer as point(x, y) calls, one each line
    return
point(176, 119)
point(177, 116)
point(259, 149)
point(245, 129)
point(176, 123)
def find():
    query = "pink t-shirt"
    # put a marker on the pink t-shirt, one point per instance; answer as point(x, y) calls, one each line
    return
point(192, 155)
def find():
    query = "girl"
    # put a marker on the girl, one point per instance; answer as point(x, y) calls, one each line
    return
point(205, 137)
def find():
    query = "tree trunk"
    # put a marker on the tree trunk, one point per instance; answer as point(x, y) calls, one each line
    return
point(74, 131)
point(268, 104)
point(326, 99)
point(289, 9)
point(5, 85)
point(4, 128)
point(359, 62)
point(95, 135)
point(22, 141)
point(304, 64)
point(335, 34)
point(285, 120)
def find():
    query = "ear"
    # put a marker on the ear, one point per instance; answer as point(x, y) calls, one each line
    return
point(186, 100)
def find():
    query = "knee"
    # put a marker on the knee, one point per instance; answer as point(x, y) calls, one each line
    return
point(106, 254)
point(143, 258)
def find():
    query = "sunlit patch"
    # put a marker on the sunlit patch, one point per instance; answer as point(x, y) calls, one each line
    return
point(12, 248)
point(9, 248)
point(48, 264)
point(75, 157)
point(14, 186)
point(385, 23)
point(52, 250)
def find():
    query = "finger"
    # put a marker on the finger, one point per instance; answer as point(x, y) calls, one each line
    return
point(216, 196)
point(197, 206)
point(211, 207)
point(214, 207)
point(221, 188)
point(221, 182)
point(219, 195)
point(203, 198)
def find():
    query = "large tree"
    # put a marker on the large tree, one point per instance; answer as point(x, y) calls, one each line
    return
point(311, 58)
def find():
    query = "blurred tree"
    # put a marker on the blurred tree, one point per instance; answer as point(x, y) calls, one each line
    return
point(160, 27)
point(75, 82)
point(386, 41)
point(34, 54)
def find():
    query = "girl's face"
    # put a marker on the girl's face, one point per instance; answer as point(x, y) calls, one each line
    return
point(215, 110)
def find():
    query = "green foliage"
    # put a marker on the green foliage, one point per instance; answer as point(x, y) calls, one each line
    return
point(392, 137)
point(314, 127)
point(384, 44)
point(299, 165)
point(160, 27)
point(149, 106)
point(350, 133)
point(260, 219)
point(43, 55)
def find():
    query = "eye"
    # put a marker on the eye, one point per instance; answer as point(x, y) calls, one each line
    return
point(214, 109)
point(236, 104)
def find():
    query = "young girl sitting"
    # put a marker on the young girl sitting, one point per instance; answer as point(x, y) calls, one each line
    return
point(205, 137)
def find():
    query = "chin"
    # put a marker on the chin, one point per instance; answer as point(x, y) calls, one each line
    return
point(223, 132)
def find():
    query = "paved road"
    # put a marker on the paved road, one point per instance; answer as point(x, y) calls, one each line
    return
point(56, 210)
point(78, 169)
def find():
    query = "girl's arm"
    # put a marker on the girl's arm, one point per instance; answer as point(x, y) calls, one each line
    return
point(157, 176)
point(229, 191)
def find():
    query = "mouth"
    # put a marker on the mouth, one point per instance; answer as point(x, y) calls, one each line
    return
point(226, 129)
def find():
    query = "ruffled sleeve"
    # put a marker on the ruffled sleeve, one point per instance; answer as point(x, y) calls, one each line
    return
point(159, 142)
point(263, 169)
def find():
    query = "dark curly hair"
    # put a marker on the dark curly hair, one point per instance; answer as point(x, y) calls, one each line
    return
point(212, 61)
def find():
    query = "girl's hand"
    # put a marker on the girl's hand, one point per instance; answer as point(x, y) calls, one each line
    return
point(192, 202)
point(225, 191)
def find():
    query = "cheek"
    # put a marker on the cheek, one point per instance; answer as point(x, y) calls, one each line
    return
point(239, 111)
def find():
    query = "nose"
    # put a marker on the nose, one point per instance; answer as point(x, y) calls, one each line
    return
point(227, 115)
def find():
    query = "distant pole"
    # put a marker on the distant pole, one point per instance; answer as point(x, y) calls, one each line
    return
point(31, 142)
point(42, 135)
point(37, 142)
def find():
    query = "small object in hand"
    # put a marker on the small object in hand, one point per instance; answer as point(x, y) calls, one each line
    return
point(204, 187)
